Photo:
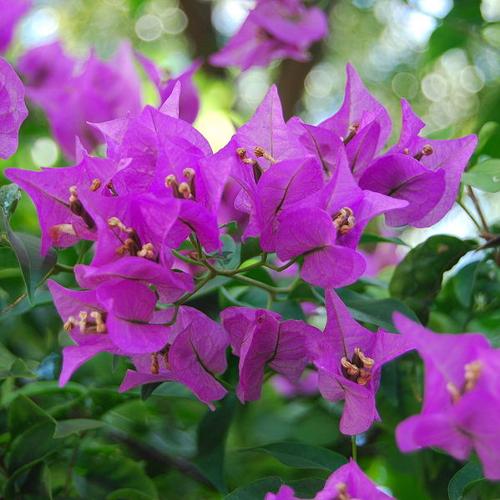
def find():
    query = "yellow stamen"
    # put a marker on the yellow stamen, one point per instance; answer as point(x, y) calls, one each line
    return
point(147, 251)
point(185, 190)
point(95, 184)
point(100, 325)
point(70, 323)
point(155, 365)
point(188, 173)
point(260, 152)
point(344, 220)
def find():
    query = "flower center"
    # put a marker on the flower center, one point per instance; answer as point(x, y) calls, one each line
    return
point(472, 372)
point(130, 241)
point(344, 220)
point(184, 189)
point(358, 369)
point(95, 322)
point(342, 493)
point(256, 168)
point(155, 360)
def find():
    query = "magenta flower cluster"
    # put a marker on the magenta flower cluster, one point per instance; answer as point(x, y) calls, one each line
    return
point(154, 207)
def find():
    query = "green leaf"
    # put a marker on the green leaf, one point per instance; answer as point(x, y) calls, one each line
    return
point(65, 428)
point(257, 489)
point(102, 470)
point(468, 474)
point(22, 304)
point(289, 309)
point(484, 176)
point(370, 238)
point(19, 478)
point(9, 198)
point(148, 389)
point(417, 279)
point(486, 132)
point(31, 430)
point(23, 414)
point(18, 369)
point(128, 494)
point(307, 488)
point(464, 282)
point(376, 311)
point(230, 256)
point(35, 267)
point(212, 433)
point(31, 445)
point(303, 456)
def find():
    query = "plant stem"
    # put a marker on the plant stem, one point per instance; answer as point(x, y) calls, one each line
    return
point(187, 259)
point(469, 213)
point(279, 269)
point(268, 288)
point(62, 268)
point(479, 209)
point(354, 448)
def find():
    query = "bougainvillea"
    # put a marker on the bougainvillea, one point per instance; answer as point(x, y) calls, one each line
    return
point(155, 205)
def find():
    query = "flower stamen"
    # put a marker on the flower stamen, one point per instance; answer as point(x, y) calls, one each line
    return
point(425, 151)
point(147, 251)
point(77, 208)
point(358, 369)
point(342, 493)
point(344, 220)
point(472, 372)
point(260, 152)
point(352, 131)
point(95, 184)
point(155, 365)
point(256, 168)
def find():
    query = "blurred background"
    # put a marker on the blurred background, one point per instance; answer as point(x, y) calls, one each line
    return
point(441, 55)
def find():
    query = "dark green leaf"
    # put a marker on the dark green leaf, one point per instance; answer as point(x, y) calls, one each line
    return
point(35, 267)
point(303, 456)
point(376, 311)
point(306, 488)
point(18, 369)
point(23, 414)
point(370, 238)
point(255, 490)
point(148, 389)
point(230, 227)
point(464, 282)
point(128, 494)
point(32, 482)
point(469, 473)
point(212, 434)
point(22, 304)
point(9, 198)
point(484, 176)
point(102, 470)
point(34, 443)
point(65, 428)
point(289, 309)
point(417, 279)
